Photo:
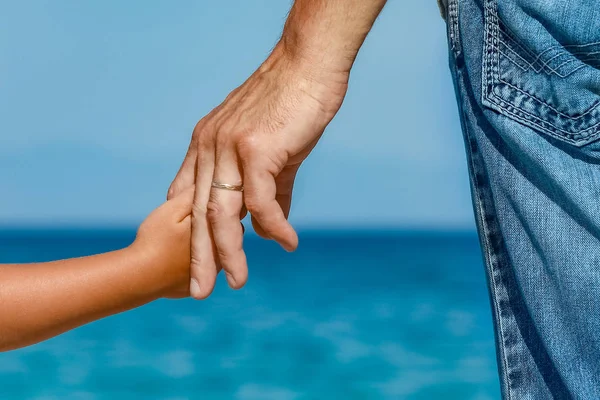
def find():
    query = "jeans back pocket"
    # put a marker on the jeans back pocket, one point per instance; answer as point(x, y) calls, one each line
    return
point(541, 65)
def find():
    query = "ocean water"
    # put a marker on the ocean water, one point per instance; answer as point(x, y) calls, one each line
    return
point(350, 315)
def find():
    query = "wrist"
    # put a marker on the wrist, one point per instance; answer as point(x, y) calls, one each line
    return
point(298, 73)
point(151, 277)
point(327, 35)
point(314, 62)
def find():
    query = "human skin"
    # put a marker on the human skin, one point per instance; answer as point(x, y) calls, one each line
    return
point(263, 131)
point(43, 300)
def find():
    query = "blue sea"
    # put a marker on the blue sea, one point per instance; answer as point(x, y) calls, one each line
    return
point(350, 315)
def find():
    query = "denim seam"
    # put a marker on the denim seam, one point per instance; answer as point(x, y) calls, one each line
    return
point(493, 267)
point(532, 65)
point(545, 66)
point(453, 11)
point(578, 50)
point(572, 117)
point(509, 34)
point(510, 58)
point(503, 345)
point(581, 137)
point(573, 70)
point(569, 116)
point(491, 77)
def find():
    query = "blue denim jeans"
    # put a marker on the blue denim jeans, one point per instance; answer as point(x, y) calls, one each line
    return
point(527, 80)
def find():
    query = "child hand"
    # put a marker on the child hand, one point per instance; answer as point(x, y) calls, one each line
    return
point(164, 240)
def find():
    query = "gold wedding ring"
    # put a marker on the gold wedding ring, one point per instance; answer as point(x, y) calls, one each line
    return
point(226, 186)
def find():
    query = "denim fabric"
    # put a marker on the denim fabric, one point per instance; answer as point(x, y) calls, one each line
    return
point(527, 79)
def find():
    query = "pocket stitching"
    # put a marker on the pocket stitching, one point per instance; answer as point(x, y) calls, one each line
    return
point(595, 49)
point(573, 117)
point(570, 137)
point(490, 72)
point(538, 64)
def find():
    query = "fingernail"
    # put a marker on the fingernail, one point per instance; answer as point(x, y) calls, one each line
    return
point(195, 288)
point(230, 279)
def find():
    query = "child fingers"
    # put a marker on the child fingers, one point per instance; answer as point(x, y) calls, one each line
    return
point(182, 203)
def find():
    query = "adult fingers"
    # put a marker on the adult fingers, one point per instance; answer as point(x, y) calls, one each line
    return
point(203, 268)
point(182, 204)
point(224, 210)
point(284, 202)
point(260, 197)
point(285, 184)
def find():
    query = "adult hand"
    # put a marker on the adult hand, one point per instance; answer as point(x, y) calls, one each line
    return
point(258, 137)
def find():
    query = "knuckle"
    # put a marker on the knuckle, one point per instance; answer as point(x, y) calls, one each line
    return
point(231, 95)
point(254, 206)
point(228, 133)
point(223, 139)
point(205, 136)
point(224, 257)
point(214, 211)
point(227, 126)
point(230, 253)
point(205, 143)
point(202, 267)
point(199, 131)
point(198, 209)
point(196, 262)
point(249, 145)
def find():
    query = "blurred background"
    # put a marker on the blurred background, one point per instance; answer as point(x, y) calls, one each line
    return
point(385, 298)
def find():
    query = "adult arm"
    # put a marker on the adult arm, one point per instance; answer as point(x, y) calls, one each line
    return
point(263, 131)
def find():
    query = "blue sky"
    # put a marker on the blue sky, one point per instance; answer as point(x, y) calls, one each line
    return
point(98, 101)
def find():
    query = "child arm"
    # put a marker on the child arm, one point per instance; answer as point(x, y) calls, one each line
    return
point(39, 301)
